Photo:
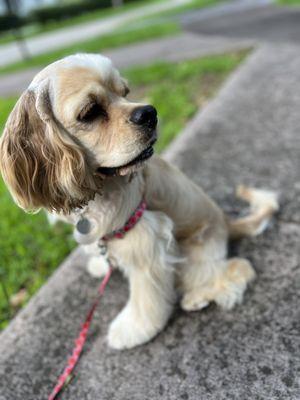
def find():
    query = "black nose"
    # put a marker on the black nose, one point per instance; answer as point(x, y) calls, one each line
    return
point(144, 116)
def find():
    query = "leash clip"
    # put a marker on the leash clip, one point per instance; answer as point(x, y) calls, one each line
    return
point(102, 247)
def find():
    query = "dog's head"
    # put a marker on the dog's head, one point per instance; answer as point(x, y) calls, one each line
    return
point(71, 129)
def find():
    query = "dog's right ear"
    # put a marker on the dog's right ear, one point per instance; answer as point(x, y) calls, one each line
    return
point(42, 167)
point(17, 161)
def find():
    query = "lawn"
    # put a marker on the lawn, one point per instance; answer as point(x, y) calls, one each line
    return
point(289, 2)
point(192, 5)
point(30, 248)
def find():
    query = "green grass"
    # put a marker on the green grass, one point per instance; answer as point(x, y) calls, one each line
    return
point(6, 106)
point(178, 90)
point(30, 249)
point(193, 5)
point(97, 45)
point(289, 2)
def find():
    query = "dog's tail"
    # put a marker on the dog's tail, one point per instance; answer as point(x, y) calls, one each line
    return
point(263, 204)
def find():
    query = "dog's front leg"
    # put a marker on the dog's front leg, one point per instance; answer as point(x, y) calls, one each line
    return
point(148, 252)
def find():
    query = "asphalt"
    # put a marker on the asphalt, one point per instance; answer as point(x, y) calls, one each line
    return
point(269, 23)
point(248, 134)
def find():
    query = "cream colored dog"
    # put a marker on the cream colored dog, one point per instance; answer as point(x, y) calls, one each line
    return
point(73, 141)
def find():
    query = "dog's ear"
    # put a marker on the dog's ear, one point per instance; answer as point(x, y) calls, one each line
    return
point(40, 164)
point(125, 87)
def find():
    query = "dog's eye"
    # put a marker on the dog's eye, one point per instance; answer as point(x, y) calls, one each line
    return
point(126, 91)
point(90, 112)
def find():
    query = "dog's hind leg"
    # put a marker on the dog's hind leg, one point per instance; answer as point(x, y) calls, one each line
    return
point(226, 289)
point(208, 277)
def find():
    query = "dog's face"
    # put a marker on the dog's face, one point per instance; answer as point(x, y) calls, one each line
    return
point(72, 128)
point(94, 109)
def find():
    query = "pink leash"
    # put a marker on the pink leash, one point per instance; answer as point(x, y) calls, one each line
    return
point(65, 377)
point(80, 341)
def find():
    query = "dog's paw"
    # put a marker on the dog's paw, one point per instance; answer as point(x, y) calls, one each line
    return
point(233, 285)
point(127, 331)
point(226, 291)
point(97, 267)
point(193, 302)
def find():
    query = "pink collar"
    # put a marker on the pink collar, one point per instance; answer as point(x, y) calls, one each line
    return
point(132, 221)
point(86, 229)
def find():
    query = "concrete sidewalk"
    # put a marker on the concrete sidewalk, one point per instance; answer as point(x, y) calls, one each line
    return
point(248, 134)
point(175, 48)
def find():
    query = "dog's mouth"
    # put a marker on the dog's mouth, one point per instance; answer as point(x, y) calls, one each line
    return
point(131, 165)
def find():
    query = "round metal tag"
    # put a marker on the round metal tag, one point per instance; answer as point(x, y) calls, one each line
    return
point(83, 226)
point(86, 231)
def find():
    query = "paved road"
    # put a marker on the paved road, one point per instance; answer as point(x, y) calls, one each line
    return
point(267, 23)
point(176, 48)
point(249, 134)
point(63, 37)
point(223, 9)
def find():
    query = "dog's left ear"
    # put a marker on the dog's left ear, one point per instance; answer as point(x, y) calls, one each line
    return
point(125, 86)
point(119, 84)
point(41, 165)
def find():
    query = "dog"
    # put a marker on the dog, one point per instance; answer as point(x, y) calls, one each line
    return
point(73, 143)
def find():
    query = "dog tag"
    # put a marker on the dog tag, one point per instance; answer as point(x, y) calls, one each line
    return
point(83, 226)
point(86, 231)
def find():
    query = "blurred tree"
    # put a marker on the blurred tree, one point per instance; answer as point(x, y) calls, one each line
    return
point(117, 3)
point(12, 8)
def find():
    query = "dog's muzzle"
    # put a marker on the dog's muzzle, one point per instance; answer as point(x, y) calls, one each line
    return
point(145, 118)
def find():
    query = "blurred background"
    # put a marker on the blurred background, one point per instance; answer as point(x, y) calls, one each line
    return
point(175, 53)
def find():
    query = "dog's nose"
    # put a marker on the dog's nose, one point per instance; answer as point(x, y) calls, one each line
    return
point(144, 116)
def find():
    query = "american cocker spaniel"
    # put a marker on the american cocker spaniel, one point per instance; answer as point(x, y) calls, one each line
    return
point(74, 145)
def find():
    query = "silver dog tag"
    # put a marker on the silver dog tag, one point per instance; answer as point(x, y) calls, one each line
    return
point(86, 231)
point(83, 226)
